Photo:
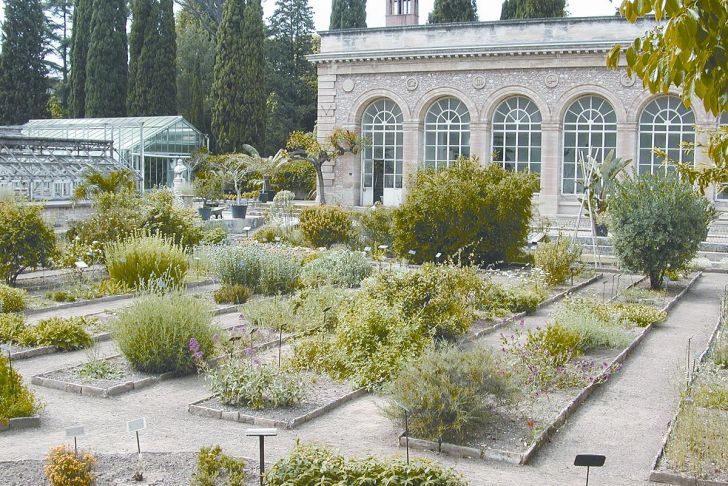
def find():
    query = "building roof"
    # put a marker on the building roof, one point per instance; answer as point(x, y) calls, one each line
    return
point(126, 132)
point(476, 39)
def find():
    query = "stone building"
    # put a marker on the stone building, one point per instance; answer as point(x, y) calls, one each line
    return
point(531, 95)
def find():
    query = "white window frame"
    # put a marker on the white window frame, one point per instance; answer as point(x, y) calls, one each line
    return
point(517, 126)
point(447, 132)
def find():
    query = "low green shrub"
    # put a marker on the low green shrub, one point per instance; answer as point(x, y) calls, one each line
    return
point(233, 294)
point(16, 400)
point(311, 465)
point(154, 333)
point(26, 240)
point(557, 258)
point(66, 334)
point(376, 226)
point(235, 264)
point(61, 296)
point(216, 235)
point(641, 314)
point(146, 260)
point(594, 330)
point(342, 268)
point(269, 233)
point(558, 342)
point(720, 355)
point(12, 299)
point(449, 393)
point(66, 468)
point(697, 445)
point(279, 272)
point(163, 217)
point(239, 383)
point(216, 469)
point(325, 225)
point(11, 327)
point(713, 396)
point(524, 298)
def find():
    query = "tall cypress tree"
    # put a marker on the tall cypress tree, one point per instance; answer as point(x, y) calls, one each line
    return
point(292, 78)
point(23, 72)
point(165, 73)
point(239, 89)
point(106, 69)
point(533, 9)
point(195, 68)
point(59, 16)
point(79, 54)
point(348, 14)
point(453, 11)
point(143, 29)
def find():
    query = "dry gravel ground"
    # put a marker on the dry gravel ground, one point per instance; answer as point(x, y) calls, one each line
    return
point(625, 420)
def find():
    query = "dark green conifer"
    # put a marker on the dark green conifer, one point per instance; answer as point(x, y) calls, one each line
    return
point(445, 11)
point(80, 37)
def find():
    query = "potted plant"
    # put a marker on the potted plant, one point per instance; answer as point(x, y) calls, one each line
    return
point(235, 168)
point(266, 167)
point(208, 187)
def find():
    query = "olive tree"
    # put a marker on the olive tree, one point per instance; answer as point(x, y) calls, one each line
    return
point(658, 224)
point(26, 241)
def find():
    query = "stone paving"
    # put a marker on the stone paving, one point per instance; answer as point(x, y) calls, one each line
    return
point(625, 420)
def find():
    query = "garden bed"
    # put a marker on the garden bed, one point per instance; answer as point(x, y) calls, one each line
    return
point(68, 379)
point(663, 470)
point(19, 423)
point(518, 432)
point(20, 352)
point(159, 468)
point(322, 395)
point(482, 327)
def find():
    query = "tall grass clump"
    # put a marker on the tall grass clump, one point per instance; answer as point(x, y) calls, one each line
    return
point(342, 268)
point(146, 260)
point(154, 333)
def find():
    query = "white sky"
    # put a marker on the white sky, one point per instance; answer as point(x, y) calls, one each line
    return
point(487, 10)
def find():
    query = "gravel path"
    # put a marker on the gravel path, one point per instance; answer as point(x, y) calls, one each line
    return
point(625, 420)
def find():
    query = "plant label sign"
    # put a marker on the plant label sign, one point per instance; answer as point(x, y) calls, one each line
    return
point(136, 425)
point(75, 431)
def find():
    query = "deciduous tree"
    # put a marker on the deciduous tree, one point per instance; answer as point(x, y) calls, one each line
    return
point(453, 11)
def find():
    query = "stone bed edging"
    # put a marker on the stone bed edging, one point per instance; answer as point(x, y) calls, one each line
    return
point(101, 300)
point(196, 408)
point(523, 458)
point(95, 391)
point(43, 350)
point(657, 476)
point(19, 423)
point(549, 301)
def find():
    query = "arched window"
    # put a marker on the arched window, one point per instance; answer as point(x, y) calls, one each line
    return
point(382, 158)
point(447, 132)
point(517, 135)
point(590, 129)
point(665, 124)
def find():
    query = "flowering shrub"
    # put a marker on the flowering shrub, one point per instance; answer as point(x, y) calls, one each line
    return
point(154, 333)
point(64, 468)
point(311, 465)
point(444, 391)
point(12, 299)
point(341, 268)
point(641, 314)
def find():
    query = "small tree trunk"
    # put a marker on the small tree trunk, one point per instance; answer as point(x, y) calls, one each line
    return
point(320, 196)
point(656, 280)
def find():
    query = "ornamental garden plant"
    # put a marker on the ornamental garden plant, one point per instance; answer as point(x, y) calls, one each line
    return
point(16, 400)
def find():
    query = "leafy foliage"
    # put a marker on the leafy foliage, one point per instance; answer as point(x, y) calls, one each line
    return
point(445, 11)
point(16, 400)
point(145, 260)
point(376, 226)
point(532, 9)
point(163, 217)
point(64, 468)
point(325, 225)
point(310, 465)
point(348, 14)
point(95, 182)
point(66, 334)
point(155, 331)
point(446, 392)
point(658, 224)
point(341, 268)
point(298, 176)
point(26, 241)
point(12, 299)
point(557, 259)
point(240, 383)
point(213, 467)
point(479, 214)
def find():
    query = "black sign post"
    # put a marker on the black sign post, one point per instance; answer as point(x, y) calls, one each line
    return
point(589, 461)
point(261, 434)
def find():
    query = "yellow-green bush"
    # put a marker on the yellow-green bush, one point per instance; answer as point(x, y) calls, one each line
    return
point(325, 225)
point(560, 343)
point(213, 467)
point(12, 299)
point(641, 314)
point(233, 294)
point(11, 327)
point(556, 259)
point(66, 334)
point(26, 240)
point(16, 400)
point(146, 260)
point(64, 468)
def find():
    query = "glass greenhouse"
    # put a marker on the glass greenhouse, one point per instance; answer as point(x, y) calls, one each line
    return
point(149, 145)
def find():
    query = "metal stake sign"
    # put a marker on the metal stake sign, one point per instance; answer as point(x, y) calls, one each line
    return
point(135, 426)
point(589, 461)
point(261, 434)
point(75, 431)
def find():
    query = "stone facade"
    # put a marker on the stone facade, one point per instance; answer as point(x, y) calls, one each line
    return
point(552, 63)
